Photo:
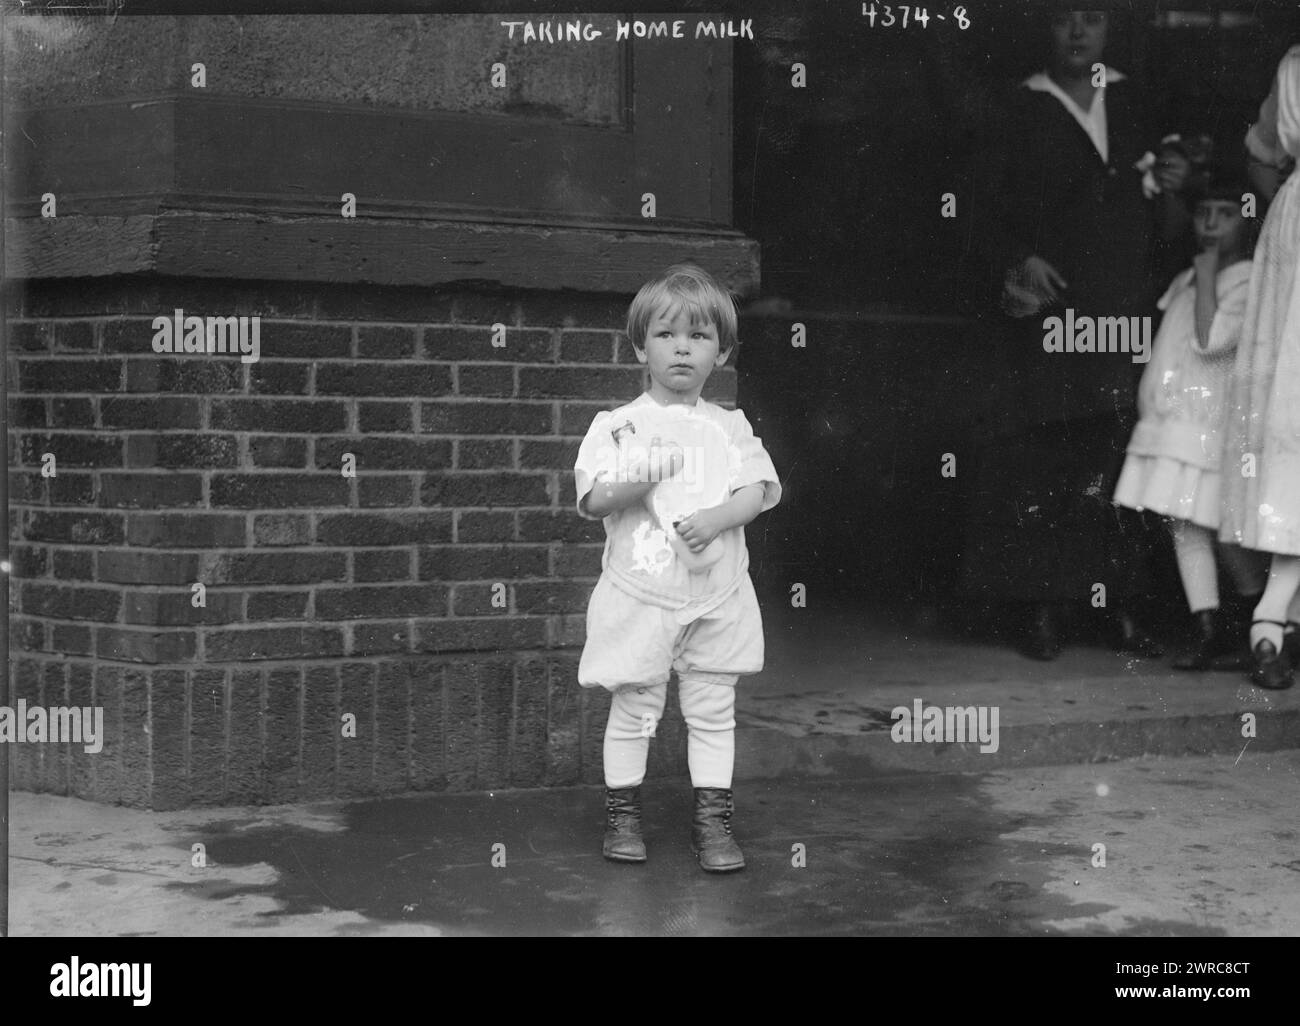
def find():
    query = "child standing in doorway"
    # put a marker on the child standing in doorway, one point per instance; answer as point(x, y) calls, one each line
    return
point(1173, 461)
point(675, 479)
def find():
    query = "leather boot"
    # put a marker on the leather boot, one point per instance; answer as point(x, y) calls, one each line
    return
point(711, 836)
point(1130, 637)
point(1211, 641)
point(623, 841)
point(1272, 669)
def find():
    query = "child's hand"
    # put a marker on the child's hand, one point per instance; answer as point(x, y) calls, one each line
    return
point(1207, 261)
point(699, 529)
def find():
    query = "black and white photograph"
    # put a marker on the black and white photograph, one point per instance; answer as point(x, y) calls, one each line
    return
point(709, 468)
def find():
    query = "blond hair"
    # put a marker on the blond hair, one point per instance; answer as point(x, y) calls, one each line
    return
point(688, 287)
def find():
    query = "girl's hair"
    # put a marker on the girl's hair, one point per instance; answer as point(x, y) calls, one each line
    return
point(689, 287)
point(1227, 185)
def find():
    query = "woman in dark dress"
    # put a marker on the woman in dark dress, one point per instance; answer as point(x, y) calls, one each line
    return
point(1061, 222)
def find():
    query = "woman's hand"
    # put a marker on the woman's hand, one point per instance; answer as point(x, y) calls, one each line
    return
point(1043, 278)
point(1171, 171)
point(1029, 287)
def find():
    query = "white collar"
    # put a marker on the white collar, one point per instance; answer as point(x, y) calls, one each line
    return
point(1228, 277)
point(645, 398)
point(1042, 82)
point(1093, 120)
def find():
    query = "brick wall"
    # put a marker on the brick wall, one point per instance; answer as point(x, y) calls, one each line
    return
point(325, 594)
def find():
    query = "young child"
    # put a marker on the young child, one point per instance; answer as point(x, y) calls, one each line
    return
point(1262, 510)
point(1173, 461)
point(674, 592)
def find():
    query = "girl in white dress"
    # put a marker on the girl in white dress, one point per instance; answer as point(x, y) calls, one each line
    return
point(1172, 463)
point(1262, 509)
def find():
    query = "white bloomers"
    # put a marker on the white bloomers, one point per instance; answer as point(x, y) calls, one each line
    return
point(631, 649)
point(633, 642)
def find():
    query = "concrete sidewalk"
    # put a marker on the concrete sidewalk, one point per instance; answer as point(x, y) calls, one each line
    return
point(1193, 846)
point(823, 703)
point(1200, 822)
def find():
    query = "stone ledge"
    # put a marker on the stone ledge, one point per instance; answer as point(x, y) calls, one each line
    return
point(371, 251)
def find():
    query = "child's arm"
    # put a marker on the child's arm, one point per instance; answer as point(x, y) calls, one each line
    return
point(754, 488)
point(1207, 301)
point(702, 526)
point(608, 497)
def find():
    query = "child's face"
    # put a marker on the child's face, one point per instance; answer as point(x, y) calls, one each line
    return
point(680, 355)
point(1218, 224)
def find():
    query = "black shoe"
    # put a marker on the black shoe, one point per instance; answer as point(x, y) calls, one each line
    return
point(711, 836)
point(1132, 638)
point(1291, 643)
point(1043, 638)
point(1211, 642)
point(623, 841)
point(1272, 669)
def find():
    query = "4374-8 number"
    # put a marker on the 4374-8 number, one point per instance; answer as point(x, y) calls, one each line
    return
point(906, 13)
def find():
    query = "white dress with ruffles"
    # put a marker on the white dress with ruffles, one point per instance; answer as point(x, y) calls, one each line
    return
point(1173, 461)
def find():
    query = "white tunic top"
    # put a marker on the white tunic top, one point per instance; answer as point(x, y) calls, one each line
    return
point(638, 556)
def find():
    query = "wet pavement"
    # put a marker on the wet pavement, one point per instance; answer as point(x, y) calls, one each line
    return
point(1193, 846)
